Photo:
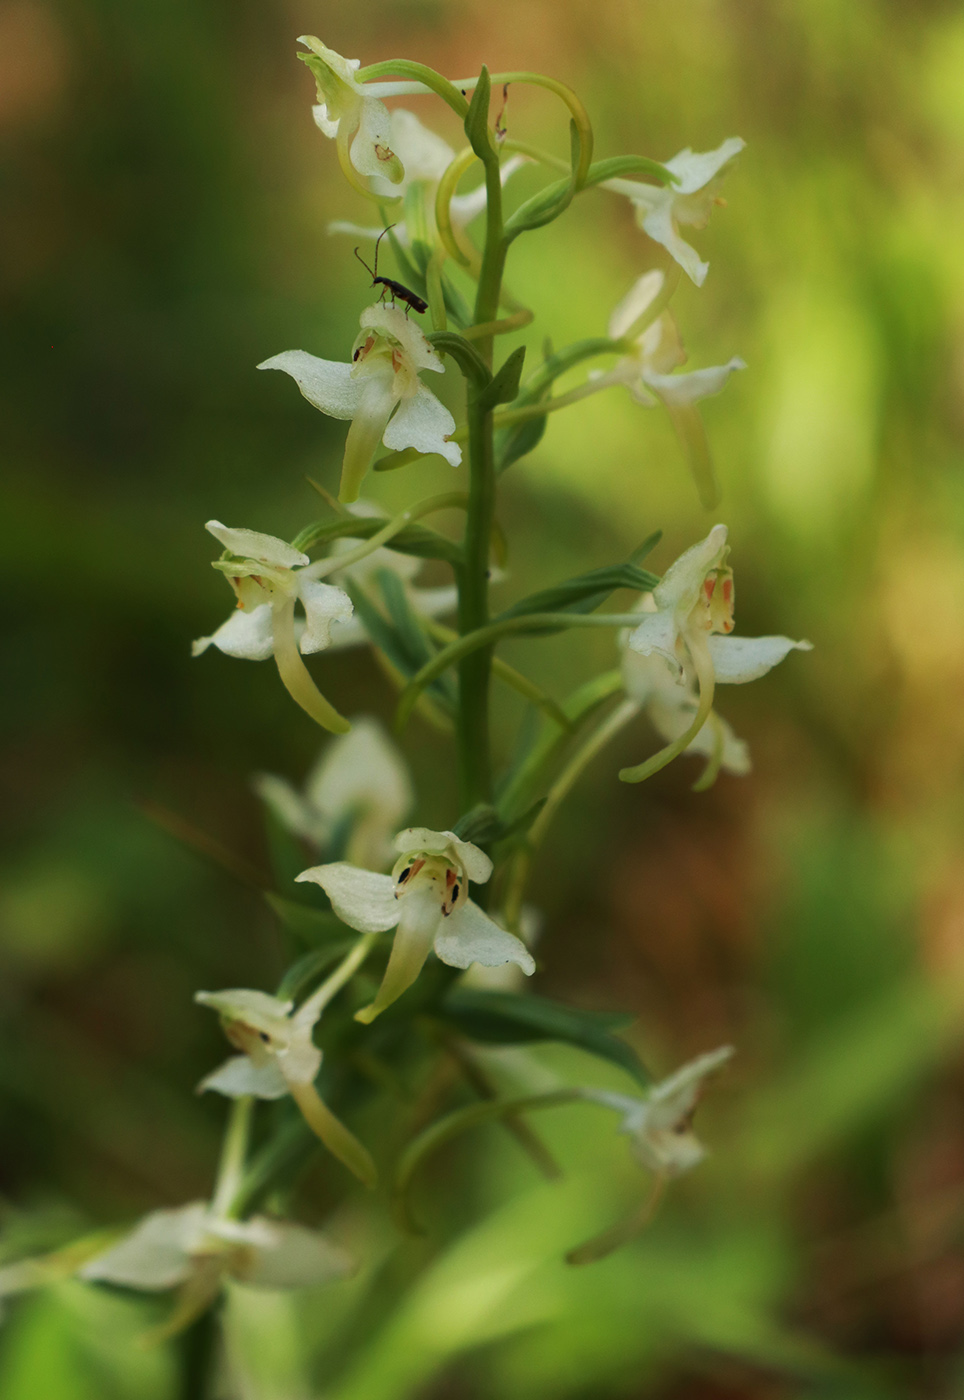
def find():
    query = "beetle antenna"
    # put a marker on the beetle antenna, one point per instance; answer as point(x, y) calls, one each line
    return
point(377, 241)
point(365, 265)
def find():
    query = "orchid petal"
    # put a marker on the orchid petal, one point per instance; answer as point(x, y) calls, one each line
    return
point(420, 917)
point(423, 422)
point(361, 899)
point(690, 388)
point(635, 303)
point(157, 1252)
point(371, 149)
point(737, 660)
point(296, 1258)
point(469, 936)
point(695, 169)
point(361, 774)
point(239, 1076)
point(474, 862)
point(251, 544)
point(680, 586)
point(246, 635)
point(257, 1009)
point(327, 384)
point(376, 400)
point(392, 321)
point(323, 604)
point(657, 633)
point(660, 224)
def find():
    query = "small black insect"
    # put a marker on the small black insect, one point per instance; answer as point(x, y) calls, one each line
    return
point(388, 284)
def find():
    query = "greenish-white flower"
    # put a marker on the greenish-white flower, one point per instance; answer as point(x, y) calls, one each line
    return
point(426, 898)
point(379, 390)
point(671, 707)
point(689, 630)
point(359, 785)
point(278, 1057)
point(661, 210)
point(359, 123)
point(426, 157)
point(649, 373)
point(171, 1248)
point(660, 1126)
point(658, 351)
point(269, 578)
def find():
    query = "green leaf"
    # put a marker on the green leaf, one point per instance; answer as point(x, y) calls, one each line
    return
point(396, 645)
point(502, 1018)
point(585, 592)
point(414, 539)
point(417, 647)
point(477, 118)
point(303, 974)
point(518, 441)
point(482, 825)
point(504, 385)
point(312, 926)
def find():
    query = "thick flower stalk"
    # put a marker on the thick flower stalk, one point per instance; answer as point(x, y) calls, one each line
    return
point(689, 630)
point(379, 390)
point(269, 578)
point(426, 898)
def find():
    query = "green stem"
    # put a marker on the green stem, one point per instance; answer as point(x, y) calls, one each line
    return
point(475, 669)
point(233, 1153)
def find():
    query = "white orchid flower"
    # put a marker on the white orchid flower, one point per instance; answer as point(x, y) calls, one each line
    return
point(359, 123)
point(280, 1057)
point(661, 210)
point(269, 577)
point(359, 782)
point(689, 631)
point(426, 897)
point(647, 372)
point(379, 390)
point(660, 1125)
point(658, 350)
point(426, 157)
point(661, 1135)
point(671, 708)
point(194, 1245)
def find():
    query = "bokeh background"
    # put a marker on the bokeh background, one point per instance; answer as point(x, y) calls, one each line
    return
point(164, 213)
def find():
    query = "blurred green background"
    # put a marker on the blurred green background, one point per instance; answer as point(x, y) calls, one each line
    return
point(164, 211)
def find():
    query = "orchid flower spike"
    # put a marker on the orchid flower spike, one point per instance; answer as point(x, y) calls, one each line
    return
point(359, 786)
point(426, 157)
point(379, 390)
point(426, 897)
point(359, 124)
point(647, 373)
point(671, 708)
point(661, 210)
point(195, 1248)
point(689, 631)
point(269, 577)
point(279, 1057)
